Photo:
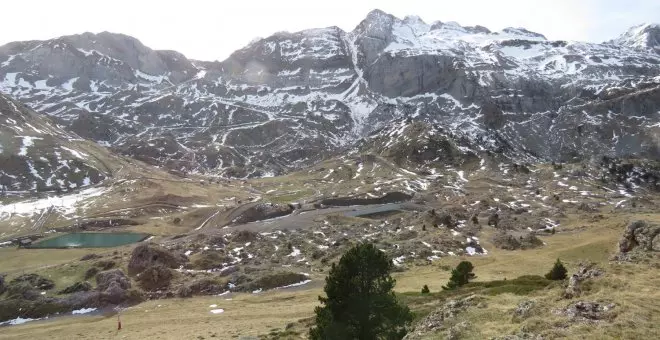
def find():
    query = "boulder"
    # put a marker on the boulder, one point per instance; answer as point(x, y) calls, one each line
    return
point(113, 286)
point(147, 255)
point(155, 278)
point(640, 235)
point(106, 279)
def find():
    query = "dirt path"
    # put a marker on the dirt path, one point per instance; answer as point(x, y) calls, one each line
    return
point(206, 221)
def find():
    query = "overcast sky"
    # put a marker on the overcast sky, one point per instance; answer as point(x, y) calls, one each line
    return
point(210, 30)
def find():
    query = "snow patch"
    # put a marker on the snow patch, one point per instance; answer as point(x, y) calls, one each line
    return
point(83, 311)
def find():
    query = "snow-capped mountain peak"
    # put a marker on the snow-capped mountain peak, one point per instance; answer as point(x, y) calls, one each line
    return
point(287, 100)
point(644, 37)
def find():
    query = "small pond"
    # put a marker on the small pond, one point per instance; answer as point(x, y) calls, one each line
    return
point(90, 240)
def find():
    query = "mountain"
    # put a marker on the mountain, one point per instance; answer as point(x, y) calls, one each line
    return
point(642, 37)
point(37, 155)
point(291, 99)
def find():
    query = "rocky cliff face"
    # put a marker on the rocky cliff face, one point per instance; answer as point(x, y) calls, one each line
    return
point(290, 99)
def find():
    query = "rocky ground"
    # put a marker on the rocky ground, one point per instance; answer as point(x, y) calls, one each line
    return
point(281, 234)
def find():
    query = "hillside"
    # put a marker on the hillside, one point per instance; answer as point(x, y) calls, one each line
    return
point(272, 105)
point(36, 155)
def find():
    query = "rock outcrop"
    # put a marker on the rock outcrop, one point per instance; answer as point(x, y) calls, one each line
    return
point(585, 271)
point(147, 255)
point(113, 286)
point(640, 239)
point(439, 320)
point(155, 277)
point(589, 311)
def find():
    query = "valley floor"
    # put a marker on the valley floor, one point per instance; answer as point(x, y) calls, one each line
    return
point(631, 287)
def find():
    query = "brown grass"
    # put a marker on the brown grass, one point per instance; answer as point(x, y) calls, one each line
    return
point(245, 314)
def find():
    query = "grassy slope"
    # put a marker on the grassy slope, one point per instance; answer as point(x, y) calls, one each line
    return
point(632, 287)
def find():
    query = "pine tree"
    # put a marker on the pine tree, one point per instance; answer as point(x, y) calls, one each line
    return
point(558, 272)
point(425, 289)
point(460, 275)
point(359, 302)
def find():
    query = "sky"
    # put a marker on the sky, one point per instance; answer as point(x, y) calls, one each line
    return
point(213, 29)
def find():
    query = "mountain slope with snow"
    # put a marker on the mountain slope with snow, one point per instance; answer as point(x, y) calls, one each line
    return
point(36, 155)
point(291, 99)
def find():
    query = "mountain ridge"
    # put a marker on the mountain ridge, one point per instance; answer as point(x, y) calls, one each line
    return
point(291, 99)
